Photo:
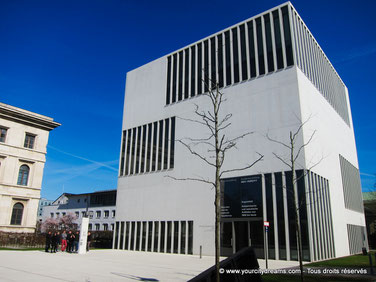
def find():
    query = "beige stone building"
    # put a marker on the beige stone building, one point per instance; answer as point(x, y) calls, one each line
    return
point(23, 142)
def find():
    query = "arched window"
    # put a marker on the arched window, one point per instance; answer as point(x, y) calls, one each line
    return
point(23, 175)
point(17, 214)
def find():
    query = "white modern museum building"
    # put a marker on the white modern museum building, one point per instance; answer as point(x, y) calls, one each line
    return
point(274, 76)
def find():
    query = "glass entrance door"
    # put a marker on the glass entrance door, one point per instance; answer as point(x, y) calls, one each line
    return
point(241, 235)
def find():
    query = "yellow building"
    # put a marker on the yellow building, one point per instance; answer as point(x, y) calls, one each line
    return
point(23, 142)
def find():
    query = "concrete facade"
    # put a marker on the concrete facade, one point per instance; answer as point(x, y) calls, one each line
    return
point(271, 92)
point(23, 145)
point(99, 205)
point(42, 203)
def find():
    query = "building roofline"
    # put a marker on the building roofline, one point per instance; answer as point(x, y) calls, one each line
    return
point(19, 115)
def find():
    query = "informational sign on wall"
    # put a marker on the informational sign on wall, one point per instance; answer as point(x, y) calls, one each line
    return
point(242, 197)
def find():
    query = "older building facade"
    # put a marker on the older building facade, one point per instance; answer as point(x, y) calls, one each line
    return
point(23, 142)
point(274, 77)
point(99, 207)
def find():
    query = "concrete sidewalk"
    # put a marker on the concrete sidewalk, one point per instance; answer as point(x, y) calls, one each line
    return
point(106, 265)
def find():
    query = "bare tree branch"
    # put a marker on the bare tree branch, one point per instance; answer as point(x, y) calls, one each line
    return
point(243, 168)
point(195, 153)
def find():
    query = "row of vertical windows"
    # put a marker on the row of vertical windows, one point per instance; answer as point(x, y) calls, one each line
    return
point(150, 147)
point(155, 236)
point(251, 49)
point(352, 189)
point(316, 66)
point(320, 217)
point(357, 238)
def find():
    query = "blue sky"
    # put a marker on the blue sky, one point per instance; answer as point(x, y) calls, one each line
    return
point(68, 60)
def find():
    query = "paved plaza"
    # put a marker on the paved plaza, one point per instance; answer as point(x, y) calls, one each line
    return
point(106, 265)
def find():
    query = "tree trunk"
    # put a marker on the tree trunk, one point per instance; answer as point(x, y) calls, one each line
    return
point(217, 192)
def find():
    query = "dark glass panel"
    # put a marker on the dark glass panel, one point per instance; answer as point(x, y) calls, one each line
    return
point(257, 238)
point(160, 144)
point(154, 159)
point(169, 236)
point(281, 216)
point(174, 77)
point(162, 243)
point(193, 71)
point(133, 235)
point(143, 148)
point(150, 235)
point(138, 149)
point(121, 235)
point(190, 237)
point(243, 53)
point(206, 65)
point(127, 226)
point(269, 46)
point(251, 46)
point(116, 235)
point(168, 86)
point(176, 237)
point(291, 216)
point(128, 151)
point(303, 214)
point(182, 237)
point(228, 58)
point(278, 40)
point(156, 236)
point(213, 62)
point(186, 74)
point(148, 158)
point(165, 153)
point(143, 242)
point(180, 85)
point(138, 237)
point(270, 214)
point(199, 68)
point(220, 60)
point(172, 143)
point(235, 53)
point(260, 47)
point(134, 131)
point(123, 153)
point(286, 30)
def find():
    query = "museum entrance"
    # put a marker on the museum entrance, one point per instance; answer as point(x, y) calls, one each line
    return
point(237, 234)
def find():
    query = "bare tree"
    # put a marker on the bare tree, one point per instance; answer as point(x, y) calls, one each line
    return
point(294, 151)
point(217, 145)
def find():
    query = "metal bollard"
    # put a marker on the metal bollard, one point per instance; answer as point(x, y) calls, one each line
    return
point(200, 251)
point(370, 263)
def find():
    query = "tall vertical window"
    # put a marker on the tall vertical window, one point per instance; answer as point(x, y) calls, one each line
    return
point(133, 149)
point(168, 86)
point(156, 235)
point(165, 151)
point(160, 147)
point(199, 68)
point(213, 62)
point(162, 240)
point(126, 235)
point(123, 153)
point(17, 212)
point(235, 53)
point(143, 241)
point(243, 53)
point(3, 134)
point(128, 152)
point(193, 71)
point(176, 237)
point(172, 143)
point(269, 47)
point(180, 83)
point(190, 237)
point(138, 149)
point(143, 149)
point(220, 60)
point(29, 141)
point(287, 33)
point(23, 175)
point(228, 58)
point(260, 47)
point(174, 77)
point(154, 159)
point(169, 236)
point(182, 237)
point(206, 65)
point(251, 46)
point(148, 158)
point(150, 235)
point(186, 73)
point(278, 41)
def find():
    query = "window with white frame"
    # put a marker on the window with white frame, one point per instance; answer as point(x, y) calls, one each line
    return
point(106, 214)
point(98, 214)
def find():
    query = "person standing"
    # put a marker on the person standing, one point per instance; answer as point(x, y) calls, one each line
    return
point(69, 241)
point(63, 241)
point(76, 241)
point(48, 241)
point(88, 241)
point(54, 243)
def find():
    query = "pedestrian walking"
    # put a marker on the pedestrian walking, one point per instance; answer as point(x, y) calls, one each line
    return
point(63, 241)
point(48, 240)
